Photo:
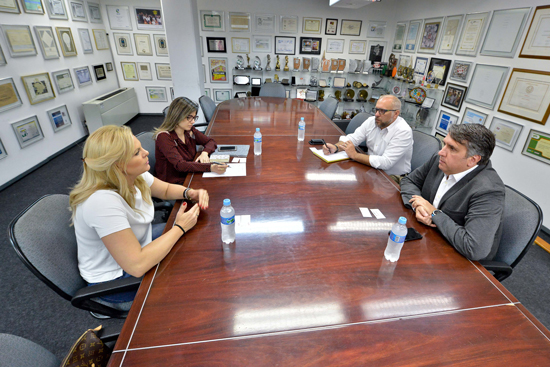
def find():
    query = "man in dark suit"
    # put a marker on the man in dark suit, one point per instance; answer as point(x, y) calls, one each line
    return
point(459, 192)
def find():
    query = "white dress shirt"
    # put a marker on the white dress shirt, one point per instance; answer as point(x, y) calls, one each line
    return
point(390, 149)
point(447, 182)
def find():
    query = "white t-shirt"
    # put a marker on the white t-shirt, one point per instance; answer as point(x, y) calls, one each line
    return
point(103, 213)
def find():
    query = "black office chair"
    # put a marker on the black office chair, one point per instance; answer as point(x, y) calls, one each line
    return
point(208, 107)
point(273, 90)
point(329, 107)
point(20, 352)
point(355, 122)
point(424, 147)
point(46, 243)
point(521, 224)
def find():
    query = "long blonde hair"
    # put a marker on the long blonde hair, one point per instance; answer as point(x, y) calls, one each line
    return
point(179, 109)
point(105, 158)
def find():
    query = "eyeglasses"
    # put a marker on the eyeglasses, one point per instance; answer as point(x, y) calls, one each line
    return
point(189, 118)
point(380, 111)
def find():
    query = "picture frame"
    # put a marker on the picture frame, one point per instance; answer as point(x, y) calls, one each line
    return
point(262, 43)
point(161, 45)
point(376, 50)
point(171, 93)
point(216, 44)
point(156, 94)
point(212, 21)
point(440, 137)
point(335, 46)
point(285, 45)
point(59, 118)
point(119, 17)
point(461, 70)
point(19, 39)
point(377, 29)
point(2, 57)
point(239, 22)
point(66, 41)
point(311, 25)
point(444, 121)
point(109, 66)
point(264, 23)
point(27, 131)
point(142, 43)
point(221, 95)
point(99, 72)
point(100, 38)
point(56, 9)
point(331, 26)
point(531, 144)
point(207, 92)
point(218, 70)
point(78, 11)
point(144, 71)
point(538, 29)
point(438, 71)
point(405, 61)
point(63, 81)
point(83, 76)
point(123, 43)
point(504, 32)
point(129, 71)
point(95, 13)
point(431, 35)
point(10, 96)
point(10, 6)
point(420, 67)
point(506, 133)
point(33, 6)
point(454, 96)
point(39, 87)
point(240, 45)
point(486, 84)
point(415, 29)
point(472, 116)
point(399, 37)
point(85, 40)
point(148, 19)
point(47, 42)
point(310, 45)
point(3, 152)
point(288, 24)
point(164, 71)
point(357, 47)
point(351, 27)
point(473, 29)
point(449, 34)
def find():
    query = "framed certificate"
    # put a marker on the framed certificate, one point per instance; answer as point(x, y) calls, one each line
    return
point(3, 153)
point(216, 44)
point(311, 25)
point(99, 71)
point(288, 24)
point(357, 47)
point(212, 21)
point(63, 81)
point(59, 118)
point(148, 18)
point(46, 41)
point(83, 76)
point(56, 9)
point(399, 37)
point(129, 71)
point(420, 67)
point(218, 69)
point(144, 71)
point(486, 84)
point(78, 11)
point(156, 94)
point(109, 66)
point(445, 121)
point(449, 34)
point(472, 116)
point(100, 37)
point(536, 146)
point(454, 96)
point(240, 45)
point(119, 17)
point(85, 40)
point(33, 6)
point(19, 40)
point(95, 13)
point(438, 71)
point(10, 6)
point(264, 23)
point(506, 133)
point(27, 131)
point(335, 46)
point(431, 34)
point(66, 41)
point(285, 45)
point(9, 97)
point(472, 32)
point(221, 95)
point(537, 42)
point(377, 29)
point(412, 35)
point(143, 44)
point(460, 71)
point(161, 44)
point(164, 71)
point(504, 32)
point(123, 43)
point(331, 26)
point(38, 87)
point(310, 45)
point(262, 43)
point(351, 27)
point(239, 22)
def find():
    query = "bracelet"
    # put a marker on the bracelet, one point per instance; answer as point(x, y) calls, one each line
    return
point(180, 227)
point(185, 196)
point(337, 149)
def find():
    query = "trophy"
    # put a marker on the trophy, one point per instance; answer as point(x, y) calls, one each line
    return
point(296, 64)
point(240, 63)
point(286, 64)
point(333, 65)
point(352, 66)
point(257, 63)
point(341, 65)
point(276, 78)
point(306, 63)
point(321, 96)
point(314, 64)
point(268, 67)
point(313, 81)
point(248, 62)
point(359, 67)
point(278, 64)
point(366, 66)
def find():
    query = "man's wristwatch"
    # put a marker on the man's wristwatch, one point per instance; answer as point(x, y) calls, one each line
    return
point(435, 212)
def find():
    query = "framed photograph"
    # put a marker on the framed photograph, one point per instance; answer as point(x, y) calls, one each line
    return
point(216, 44)
point(454, 96)
point(357, 47)
point(63, 81)
point(420, 67)
point(472, 32)
point(38, 87)
point(399, 37)
point(527, 95)
point(20, 41)
point(536, 146)
point(377, 29)
point(156, 94)
point(212, 21)
point(262, 43)
point(85, 40)
point(123, 43)
point(311, 25)
point(445, 121)
point(335, 46)
point(33, 6)
point(66, 41)
point(486, 84)
point(535, 45)
point(412, 35)
point(472, 116)
point(83, 76)
point(449, 34)
point(430, 36)
point(95, 13)
point(3, 153)
point(142, 42)
point(438, 71)
point(119, 17)
point(10, 6)
point(506, 132)
point(350, 27)
point(240, 45)
point(461, 70)
point(285, 45)
point(218, 69)
point(129, 71)
point(100, 37)
point(27, 131)
point(376, 50)
point(144, 71)
point(46, 40)
point(288, 24)
point(109, 66)
point(99, 71)
point(149, 19)
point(9, 95)
point(161, 44)
point(310, 45)
point(504, 32)
point(239, 22)
point(78, 11)
point(56, 9)
point(59, 118)
point(221, 95)
point(331, 26)
point(164, 71)
point(264, 23)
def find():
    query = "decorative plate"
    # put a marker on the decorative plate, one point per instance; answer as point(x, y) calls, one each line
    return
point(396, 90)
point(418, 94)
point(350, 94)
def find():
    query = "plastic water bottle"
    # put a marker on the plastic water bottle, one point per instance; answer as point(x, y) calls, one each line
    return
point(301, 129)
point(257, 142)
point(396, 240)
point(227, 215)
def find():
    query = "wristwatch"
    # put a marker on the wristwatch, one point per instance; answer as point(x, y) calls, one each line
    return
point(435, 212)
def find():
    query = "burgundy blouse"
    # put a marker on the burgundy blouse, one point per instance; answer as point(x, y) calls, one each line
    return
point(174, 158)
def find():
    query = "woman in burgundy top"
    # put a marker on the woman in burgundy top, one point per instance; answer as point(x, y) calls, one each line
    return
point(176, 144)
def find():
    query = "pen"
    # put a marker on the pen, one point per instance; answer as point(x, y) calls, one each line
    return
point(323, 140)
point(220, 164)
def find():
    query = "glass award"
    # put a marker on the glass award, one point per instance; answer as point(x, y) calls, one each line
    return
point(314, 64)
point(306, 63)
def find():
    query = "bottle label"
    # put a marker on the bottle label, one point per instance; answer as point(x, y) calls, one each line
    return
point(258, 140)
point(228, 221)
point(397, 239)
point(303, 127)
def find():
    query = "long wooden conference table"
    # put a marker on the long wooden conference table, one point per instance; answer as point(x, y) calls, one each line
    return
point(306, 283)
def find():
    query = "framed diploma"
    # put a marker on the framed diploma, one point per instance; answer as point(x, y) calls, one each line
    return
point(472, 116)
point(240, 45)
point(63, 81)
point(221, 95)
point(537, 42)
point(262, 43)
point(119, 17)
point(83, 76)
point(56, 9)
point(216, 44)
point(285, 45)
point(109, 66)
point(412, 35)
point(99, 71)
point(164, 71)
point(100, 37)
point(331, 26)
point(504, 32)
point(78, 11)
point(27, 131)
point(218, 69)
point(47, 43)
point(486, 84)
point(143, 44)
point(399, 37)
point(10, 6)
point(38, 87)
point(264, 23)
point(3, 153)
point(288, 24)
point(59, 118)
point(85, 40)
point(20, 41)
point(454, 96)
point(239, 22)
point(123, 43)
point(527, 95)
point(357, 47)
point(311, 25)
point(148, 18)
point(506, 133)
point(129, 71)
point(310, 45)
point(351, 27)
point(438, 71)
point(431, 34)
point(377, 29)
point(66, 41)
point(335, 46)
point(95, 13)
point(461, 70)
point(161, 44)
point(9, 97)
point(449, 34)
point(156, 94)
point(537, 146)
point(144, 71)
point(472, 33)
point(445, 121)
point(212, 21)
point(33, 6)
point(420, 67)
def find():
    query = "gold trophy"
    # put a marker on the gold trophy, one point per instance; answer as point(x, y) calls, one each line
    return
point(286, 64)
point(278, 64)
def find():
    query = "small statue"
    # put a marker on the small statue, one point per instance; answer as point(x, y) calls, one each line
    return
point(286, 64)
point(268, 67)
point(278, 64)
point(240, 63)
point(276, 77)
point(257, 63)
point(248, 62)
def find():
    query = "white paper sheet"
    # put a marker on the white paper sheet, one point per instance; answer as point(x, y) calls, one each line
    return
point(234, 170)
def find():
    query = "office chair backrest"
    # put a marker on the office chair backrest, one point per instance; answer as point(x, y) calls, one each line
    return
point(329, 107)
point(357, 121)
point(165, 111)
point(208, 107)
point(20, 352)
point(273, 90)
point(148, 143)
point(424, 147)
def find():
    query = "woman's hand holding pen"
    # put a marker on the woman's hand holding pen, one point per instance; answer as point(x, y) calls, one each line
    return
point(218, 167)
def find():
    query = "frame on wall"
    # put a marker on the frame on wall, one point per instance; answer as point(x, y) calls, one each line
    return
point(10, 96)
point(119, 17)
point(56, 9)
point(10, 7)
point(454, 96)
point(312, 25)
point(240, 45)
point(27, 131)
point(262, 43)
point(450, 32)
point(285, 45)
point(310, 45)
point(83, 76)
point(3, 153)
point(63, 81)
point(123, 43)
point(59, 118)
point(351, 27)
point(377, 29)
point(288, 24)
point(149, 19)
point(66, 41)
point(431, 34)
point(438, 71)
point(129, 71)
point(144, 71)
point(218, 70)
point(411, 40)
point(33, 7)
point(161, 45)
point(504, 32)
point(264, 23)
point(78, 11)
point(47, 43)
point(335, 46)
point(95, 13)
point(445, 121)
point(239, 22)
point(216, 44)
point(142, 42)
point(221, 95)
point(156, 94)
point(506, 132)
point(331, 27)
point(39, 87)
point(212, 21)
point(472, 116)
point(100, 38)
point(486, 84)
point(531, 144)
point(164, 71)
point(85, 40)
point(538, 30)
point(109, 66)
point(473, 29)
point(399, 38)
point(19, 39)
point(99, 72)
point(461, 70)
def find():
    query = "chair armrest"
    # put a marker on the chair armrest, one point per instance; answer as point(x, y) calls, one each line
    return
point(500, 269)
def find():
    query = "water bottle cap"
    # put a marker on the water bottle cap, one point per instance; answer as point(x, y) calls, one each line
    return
point(302, 118)
point(402, 220)
point(226, 202)
point(257, 129)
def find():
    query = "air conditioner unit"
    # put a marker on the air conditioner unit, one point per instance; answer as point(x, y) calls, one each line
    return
point(114, 108)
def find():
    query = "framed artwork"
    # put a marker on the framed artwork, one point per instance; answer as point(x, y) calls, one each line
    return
point(486, 84)
point(376, 50)
point(536, 146)
point(78, 11)
point(56, 9)
point(149, 19)
point(95, 13)
point(3, 153)
point(438, 71)
point(504, 32)
point(506, 132)
point(420, 67)
point(63, 81)
point(216, 44)
point(412, 35)
point(123, 43)
point(33, 6)
point(218, 69)
point(212, 21)
point(10, 97)
point(142, 42)
point(399, 37)
point(288, 24)
point(331, 26)
point(66, 41)
point(221, 95)
point(310, 46)
point(449, 34)
point(109, 66)
point(527, 95)
point(262, 43)
point(240, 45)
point(311, 25)
point(99, 71)
point(59, 118)
point(27, 131)
point(20, 41)
point(472, 116)
point(377, 29)
point(461, 70)
point(156, 94)
point(83, 76)
point(161, 44)
point(264, 23)
point(357, 47)
point(430, 35)
point(285, 45)
point(129, 71)
point(472, 31)
point(144, 71)
point(10, 6)
point(454, 96)
point(164, 71)
point(351, 27)
point(46, 41)
point(119, 17)
point(535, 45)
point(445, 121)
point(335, 46)
point(85, 40)
point(239, 22)
point(100, 37)
point(38, 87)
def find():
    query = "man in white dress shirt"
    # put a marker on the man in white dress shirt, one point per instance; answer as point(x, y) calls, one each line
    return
point(388, 136)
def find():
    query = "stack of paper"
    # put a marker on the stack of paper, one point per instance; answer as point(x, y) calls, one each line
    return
point(336, 157)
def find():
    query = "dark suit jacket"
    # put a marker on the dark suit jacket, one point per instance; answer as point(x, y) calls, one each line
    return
point(472, 208)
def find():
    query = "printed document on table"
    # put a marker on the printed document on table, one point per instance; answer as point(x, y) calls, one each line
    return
point(340, 156)
point(234, 170)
